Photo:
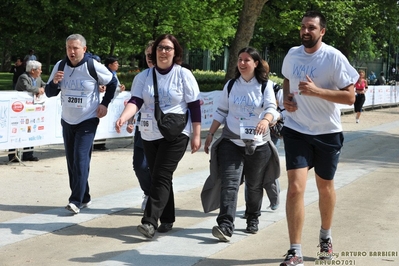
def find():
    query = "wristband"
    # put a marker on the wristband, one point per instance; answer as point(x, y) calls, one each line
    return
point(266, 119)
point(209, 133)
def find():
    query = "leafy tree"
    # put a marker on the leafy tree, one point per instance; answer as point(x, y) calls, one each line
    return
point(358, 28)
point(249, 14)
point(361, 29)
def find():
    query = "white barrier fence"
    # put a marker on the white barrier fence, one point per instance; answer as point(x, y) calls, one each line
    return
point(24, 123)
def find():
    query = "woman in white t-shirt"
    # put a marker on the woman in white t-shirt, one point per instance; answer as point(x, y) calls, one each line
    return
point(245, 147)
point(178, 93)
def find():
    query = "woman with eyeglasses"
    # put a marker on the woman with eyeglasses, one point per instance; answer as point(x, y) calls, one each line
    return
point(178, 93)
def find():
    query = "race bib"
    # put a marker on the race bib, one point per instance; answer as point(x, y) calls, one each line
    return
point(248, 129)
point(75, 99)
point(146, 122)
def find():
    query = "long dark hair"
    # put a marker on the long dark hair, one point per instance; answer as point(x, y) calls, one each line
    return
point(178, 58)
point(260, 70)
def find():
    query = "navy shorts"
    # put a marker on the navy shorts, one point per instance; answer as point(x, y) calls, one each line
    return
point(318, 151)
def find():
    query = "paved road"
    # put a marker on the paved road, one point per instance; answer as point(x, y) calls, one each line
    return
point(35, 229)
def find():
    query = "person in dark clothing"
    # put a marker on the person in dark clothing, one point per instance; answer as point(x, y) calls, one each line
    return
point(381, 79)
point(17, 69)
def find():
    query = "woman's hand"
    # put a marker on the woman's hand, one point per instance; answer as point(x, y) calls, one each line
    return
point(118, 124)
point(195, 144)
point(262, 126)
point(208, 142)
point(130, 128)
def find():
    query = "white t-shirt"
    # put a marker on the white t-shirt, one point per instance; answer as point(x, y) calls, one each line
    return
point(245, 106)
point(329, 69)
point(280, 102)
point(175, 90)
point(80, 95)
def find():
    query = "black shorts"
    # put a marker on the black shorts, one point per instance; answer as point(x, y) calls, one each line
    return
point(318, 151)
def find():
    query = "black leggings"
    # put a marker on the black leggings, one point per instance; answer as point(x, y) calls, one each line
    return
point(360, 99)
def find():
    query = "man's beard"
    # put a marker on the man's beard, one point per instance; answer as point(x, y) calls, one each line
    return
point(310, 43)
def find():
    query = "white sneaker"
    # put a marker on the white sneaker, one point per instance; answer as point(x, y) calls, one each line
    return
point(72, 208)
point(85, 205)
point(357, 120)
point(145, 199)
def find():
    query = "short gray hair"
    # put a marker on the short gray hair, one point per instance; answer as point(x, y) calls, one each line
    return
point(77, 37)
point(32, 64)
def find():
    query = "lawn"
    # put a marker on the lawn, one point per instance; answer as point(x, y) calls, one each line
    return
point(5, 81)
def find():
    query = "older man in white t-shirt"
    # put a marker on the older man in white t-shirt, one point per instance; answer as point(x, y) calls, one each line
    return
point(81, 113)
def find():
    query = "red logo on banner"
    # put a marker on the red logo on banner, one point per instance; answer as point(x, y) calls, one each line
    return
point(17, 107)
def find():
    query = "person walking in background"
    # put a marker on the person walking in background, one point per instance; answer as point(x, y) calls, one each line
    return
point(17, 69)
point(361, 87)
point(81, 113)
point(245, 147)
point(178, 93)
point(29, 81)
point(112, 64)
point(317, 78)
point(30, 56)
point(140, 164)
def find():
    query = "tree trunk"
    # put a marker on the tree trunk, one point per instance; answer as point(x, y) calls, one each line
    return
point(47, 65)
point(6, 57)
point(112, 49)
point(248, 17)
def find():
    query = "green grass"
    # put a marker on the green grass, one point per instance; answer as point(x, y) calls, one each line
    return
point(5, 81)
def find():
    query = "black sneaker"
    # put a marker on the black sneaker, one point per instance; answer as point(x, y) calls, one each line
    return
point(165, 227)
point(147, 230)
point(222, 233)
point(291, 259)
point(326, 249)
point(252, 227)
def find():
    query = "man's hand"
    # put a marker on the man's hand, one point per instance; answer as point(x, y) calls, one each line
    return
point(308, 87)
point(58, 77)
point(101, 111)
point(290, 104)
point(102, 88)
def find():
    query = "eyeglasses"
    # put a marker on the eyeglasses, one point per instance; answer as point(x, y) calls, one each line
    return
point(166, 48)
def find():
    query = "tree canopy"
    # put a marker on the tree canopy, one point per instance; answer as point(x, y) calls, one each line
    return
point(361, 29)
